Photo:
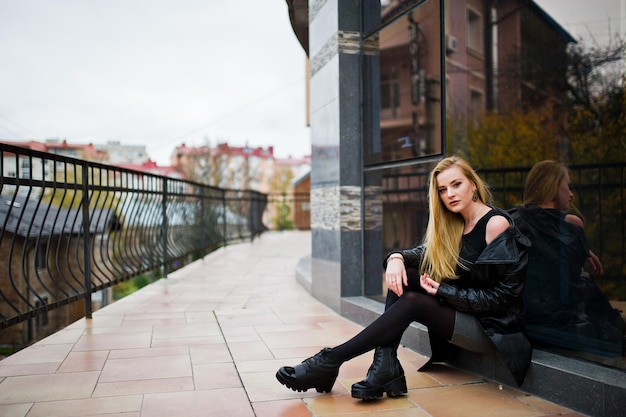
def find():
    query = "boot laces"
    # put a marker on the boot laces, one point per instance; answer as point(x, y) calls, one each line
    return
point(317, 359)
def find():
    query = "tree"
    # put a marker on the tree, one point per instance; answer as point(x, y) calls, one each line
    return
point(596, 103)
point(589, 128)
point(280, 188)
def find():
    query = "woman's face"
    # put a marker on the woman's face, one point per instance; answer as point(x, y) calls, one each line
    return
point(455, 189)
point(564, 195)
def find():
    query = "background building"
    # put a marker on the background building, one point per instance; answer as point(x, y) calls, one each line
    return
point(118, 153)
point(245, 168)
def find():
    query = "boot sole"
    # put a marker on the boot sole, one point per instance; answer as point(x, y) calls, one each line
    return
point(393, 388)
point(293, 385)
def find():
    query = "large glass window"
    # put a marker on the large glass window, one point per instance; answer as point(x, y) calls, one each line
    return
point(409, 99)
point(525, 81)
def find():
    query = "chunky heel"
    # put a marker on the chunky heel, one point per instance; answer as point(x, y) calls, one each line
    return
point(396, 387)
point(325, 388)
point(385, 375)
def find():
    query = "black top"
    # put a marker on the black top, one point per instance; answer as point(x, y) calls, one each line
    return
point(473, 244)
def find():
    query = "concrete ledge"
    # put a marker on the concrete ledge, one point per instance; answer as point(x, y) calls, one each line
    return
point(583, 386)
point(303, 273)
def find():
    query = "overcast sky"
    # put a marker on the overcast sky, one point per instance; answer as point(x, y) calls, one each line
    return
point(153, 72)
point(164, 72)
point(596, 21)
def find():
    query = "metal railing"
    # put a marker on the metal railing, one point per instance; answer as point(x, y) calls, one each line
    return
point(69, 228)
point(599, 197)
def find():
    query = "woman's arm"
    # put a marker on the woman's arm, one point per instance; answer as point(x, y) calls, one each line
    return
point(498, 298)
point(395, 267)
point(595, 265)
point(506, 279)
point(495, 226)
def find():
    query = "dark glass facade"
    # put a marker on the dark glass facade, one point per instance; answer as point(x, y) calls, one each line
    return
point(506, 85)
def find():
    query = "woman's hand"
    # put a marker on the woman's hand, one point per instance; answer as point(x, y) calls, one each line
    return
point(428, 284)
point(595, 265)
point(395, 275)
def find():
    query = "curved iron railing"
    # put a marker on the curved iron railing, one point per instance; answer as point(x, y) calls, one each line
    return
point(69, 228)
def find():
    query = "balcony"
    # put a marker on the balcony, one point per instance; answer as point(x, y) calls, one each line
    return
point(208, 340)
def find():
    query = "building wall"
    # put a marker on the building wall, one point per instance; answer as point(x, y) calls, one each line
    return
point(348, 200)
point(335, 60)
point(302, 203)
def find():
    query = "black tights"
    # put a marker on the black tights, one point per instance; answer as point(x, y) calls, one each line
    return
point(400, 312)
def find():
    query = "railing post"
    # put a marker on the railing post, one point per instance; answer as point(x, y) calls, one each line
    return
point(164, 227)
point(86, 240)
point(224, 226)
point(203, 226)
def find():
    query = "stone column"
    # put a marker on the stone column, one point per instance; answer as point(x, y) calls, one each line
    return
point(337, 58)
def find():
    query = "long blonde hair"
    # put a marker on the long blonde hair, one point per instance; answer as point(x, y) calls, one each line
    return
point(542, 183)
point(445, 228)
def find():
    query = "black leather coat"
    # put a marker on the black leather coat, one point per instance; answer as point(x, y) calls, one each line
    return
point(493, 294)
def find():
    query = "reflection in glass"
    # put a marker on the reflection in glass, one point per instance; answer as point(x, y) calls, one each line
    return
point(524, 81)
point(410, 84)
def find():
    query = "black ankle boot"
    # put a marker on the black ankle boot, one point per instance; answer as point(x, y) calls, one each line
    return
point(319, 372)
point(384, 375)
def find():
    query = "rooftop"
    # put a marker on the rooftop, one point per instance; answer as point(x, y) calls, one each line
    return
point(208, 340)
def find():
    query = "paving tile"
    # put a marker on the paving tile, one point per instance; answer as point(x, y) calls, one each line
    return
point(146, 322)
point(148, 352)
point(187, 341)
point(200, 316)
point(337, 405)
point(84, 361)
point(248, 319)
point(287, 328)
point(474, 400)
point(447, 375)
point(408, 355)
point(216, 376)
point(545, 407)
point(15, 410)
point(339, 326)
point(213, 353)
point(134, 328)
point(246, 351)
point(318, 337)
point(172, 331)
point(53, 387)
point(260, 365)
point(403, 412)
point(28, 369)
point(295, 355)
point(206, 403)
point(39, 353)
point(146, 386)
point(285, 408)
point(116, 370)
point(113, 341)
point(241, 334)
point(101, 318)
point(66, 336)
point(88, 407)
point(416, 380)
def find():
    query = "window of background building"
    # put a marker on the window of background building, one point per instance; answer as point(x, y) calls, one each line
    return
point(389, 95)
point(475, 33)
point(476, 106)
point(25, 168)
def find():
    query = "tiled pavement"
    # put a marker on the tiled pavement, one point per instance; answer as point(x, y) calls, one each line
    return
point(208, 340)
